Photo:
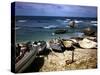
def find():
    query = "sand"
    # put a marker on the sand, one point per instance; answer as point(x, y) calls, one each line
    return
point(54, 61)
point(83, 59)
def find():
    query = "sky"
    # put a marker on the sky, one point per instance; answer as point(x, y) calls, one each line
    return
point(40, 9)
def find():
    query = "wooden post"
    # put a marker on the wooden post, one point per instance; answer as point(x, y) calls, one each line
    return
point(72, 55)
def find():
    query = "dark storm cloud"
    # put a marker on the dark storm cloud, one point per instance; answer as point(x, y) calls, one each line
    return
point(39, 9)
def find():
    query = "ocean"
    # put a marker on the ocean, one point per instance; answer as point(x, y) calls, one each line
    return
point(42, 28)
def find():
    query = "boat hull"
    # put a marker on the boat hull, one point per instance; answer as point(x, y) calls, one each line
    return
point(21, 65)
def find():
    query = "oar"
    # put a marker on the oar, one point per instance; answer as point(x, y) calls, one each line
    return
point(53, 52)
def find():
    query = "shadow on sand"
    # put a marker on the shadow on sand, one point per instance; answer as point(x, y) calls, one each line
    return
point(36, 65)
point(38, 62)
point(64, 49)
point(45, 52)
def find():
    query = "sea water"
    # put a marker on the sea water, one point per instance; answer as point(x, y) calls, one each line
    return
point(42, 28)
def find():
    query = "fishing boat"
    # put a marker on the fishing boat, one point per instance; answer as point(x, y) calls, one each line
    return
point(60, 31)
point(67, 43)
point(29, 56)
point(88, 43)
point(56, 45)
point(25, 59)
point(41, 45)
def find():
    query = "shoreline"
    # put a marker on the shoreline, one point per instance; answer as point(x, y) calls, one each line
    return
point(62, 61)
point(74, 39)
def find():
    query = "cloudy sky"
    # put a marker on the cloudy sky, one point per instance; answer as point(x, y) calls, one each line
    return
point(39, 9)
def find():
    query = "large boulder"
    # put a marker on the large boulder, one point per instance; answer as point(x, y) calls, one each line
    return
point(86, 43)
point(72, 24)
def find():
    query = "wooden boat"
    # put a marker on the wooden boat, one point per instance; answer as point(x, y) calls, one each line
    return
point(56, 46)
point(87, 43)
point(26, 60)
point(41, 45)
point(29, 56)
point(67, 43)
point(60, 31)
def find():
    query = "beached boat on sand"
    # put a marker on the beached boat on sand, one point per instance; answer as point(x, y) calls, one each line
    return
point(56, 45)
point(29, 57)
point(67, 43)
point(87, 43)
point(26, 60)
point(41, 45)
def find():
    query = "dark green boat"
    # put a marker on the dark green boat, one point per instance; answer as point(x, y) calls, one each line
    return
point(60, 31)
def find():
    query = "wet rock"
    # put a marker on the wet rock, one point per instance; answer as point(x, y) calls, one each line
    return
point(89, 32)
point(72, 24)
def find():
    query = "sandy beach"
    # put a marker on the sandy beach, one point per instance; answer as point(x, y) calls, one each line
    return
point(62, 61)
point(83, 59)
